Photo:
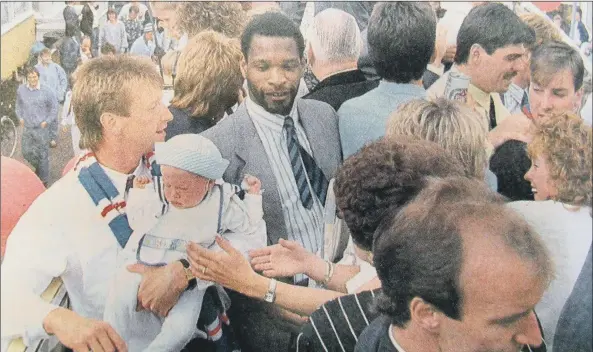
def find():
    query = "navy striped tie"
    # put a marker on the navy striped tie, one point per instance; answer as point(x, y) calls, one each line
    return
point(308, 167)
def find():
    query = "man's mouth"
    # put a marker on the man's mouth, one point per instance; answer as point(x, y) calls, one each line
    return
point(278, 95)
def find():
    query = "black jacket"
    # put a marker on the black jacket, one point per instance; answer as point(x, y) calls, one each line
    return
point(375, 338)
point(336, 89)
point(86, 23)
point(183, 123)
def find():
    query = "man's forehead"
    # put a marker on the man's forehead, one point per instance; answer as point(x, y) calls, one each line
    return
point(265, 46)
point(511, 49)
point(562, 79)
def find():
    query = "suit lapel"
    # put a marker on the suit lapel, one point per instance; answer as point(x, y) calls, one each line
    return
point(250, 151)
point(318, 142)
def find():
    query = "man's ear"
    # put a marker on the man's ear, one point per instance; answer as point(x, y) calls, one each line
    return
point(424, 314)
point(244, 68)
point(310, 55)
point(111, 124)
point(578, 100)
point(476, 53)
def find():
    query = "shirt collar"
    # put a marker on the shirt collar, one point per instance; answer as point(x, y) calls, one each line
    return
point(37, 87)
point(481, 97)
point(393, 341)
point(516, 92)
point(272, 120)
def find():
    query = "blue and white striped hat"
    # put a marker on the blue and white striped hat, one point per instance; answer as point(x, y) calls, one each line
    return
point(192, 153)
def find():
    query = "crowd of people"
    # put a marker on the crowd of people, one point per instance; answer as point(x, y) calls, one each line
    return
point(308, 184)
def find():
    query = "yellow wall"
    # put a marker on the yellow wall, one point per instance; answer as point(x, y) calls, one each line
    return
point(15, 46)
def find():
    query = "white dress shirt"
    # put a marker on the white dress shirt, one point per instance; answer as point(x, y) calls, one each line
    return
point(303, 225)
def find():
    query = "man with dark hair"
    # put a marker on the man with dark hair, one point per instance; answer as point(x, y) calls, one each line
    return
point(401, 38)
point(37, 108)
point(134, 28)
point(491, 46)
point(71, 19)
point(557, 72)
point(291, 145)
point(459, 272)
point(581, 31)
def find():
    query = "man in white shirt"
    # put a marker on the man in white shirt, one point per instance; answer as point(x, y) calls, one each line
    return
point(76, 229)
point(292, 145)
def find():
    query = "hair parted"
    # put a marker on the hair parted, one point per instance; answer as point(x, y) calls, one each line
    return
point(106, 85)
point(493, 26)
point(552, 57)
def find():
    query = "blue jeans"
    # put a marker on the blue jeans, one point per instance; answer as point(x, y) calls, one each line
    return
point(35, 149)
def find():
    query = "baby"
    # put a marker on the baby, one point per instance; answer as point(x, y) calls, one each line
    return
point(200, 205)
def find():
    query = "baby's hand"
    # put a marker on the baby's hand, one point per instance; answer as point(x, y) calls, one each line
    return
point(141, 181)
point(253, 184)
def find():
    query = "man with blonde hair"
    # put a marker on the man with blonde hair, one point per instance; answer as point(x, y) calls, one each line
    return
point(333, 49)
point(118, 108)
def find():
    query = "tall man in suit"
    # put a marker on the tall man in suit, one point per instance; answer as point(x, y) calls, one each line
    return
point(291, 145)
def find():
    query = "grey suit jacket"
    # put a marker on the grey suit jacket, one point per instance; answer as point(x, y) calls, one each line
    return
point(238, 142)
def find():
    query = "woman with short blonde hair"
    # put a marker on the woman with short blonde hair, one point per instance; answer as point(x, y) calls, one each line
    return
point(454, 126)
point(207, 83)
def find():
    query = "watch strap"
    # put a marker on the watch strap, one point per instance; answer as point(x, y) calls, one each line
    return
point(191, 280)
point(270, 296)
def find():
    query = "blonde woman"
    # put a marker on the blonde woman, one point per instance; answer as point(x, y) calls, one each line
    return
point(561, 180)
point(454, 126)
point(207, 83)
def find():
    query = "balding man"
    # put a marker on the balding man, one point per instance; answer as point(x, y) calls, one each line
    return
point(333, 49)
point(459, 272)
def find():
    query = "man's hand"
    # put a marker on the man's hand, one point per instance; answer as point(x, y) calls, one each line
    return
point(287, 258)
point(160, 287)
point(440, 47)
point(44, 124)
point(82, 334)
point(517, 126)
point(450, 53)
point(22, 122)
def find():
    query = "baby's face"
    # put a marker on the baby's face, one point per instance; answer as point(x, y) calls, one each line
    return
point(183, 189)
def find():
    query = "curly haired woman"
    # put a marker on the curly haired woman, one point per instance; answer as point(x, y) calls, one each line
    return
point(561, 180)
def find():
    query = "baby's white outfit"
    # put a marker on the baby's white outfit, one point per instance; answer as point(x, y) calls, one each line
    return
point(162, 240)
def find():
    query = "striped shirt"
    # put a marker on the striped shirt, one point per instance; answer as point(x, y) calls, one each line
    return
point(337, 324)
point(303, 225)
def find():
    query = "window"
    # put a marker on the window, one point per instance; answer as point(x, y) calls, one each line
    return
point(13, 13)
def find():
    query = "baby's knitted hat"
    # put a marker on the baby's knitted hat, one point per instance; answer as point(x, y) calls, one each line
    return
point(192, 153)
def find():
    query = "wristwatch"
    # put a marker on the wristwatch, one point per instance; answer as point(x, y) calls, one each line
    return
point(270, 296)
point(191, 279)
